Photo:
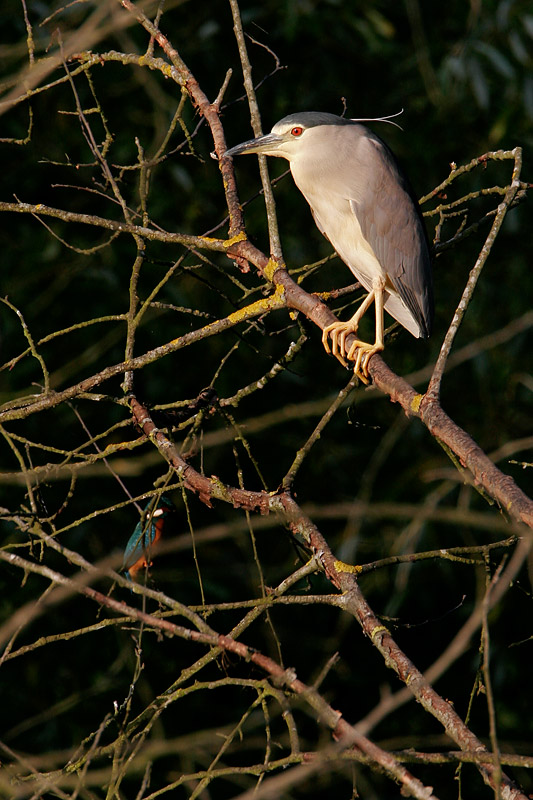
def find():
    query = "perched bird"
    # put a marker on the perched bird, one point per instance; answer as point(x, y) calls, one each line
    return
point(363, 203)
point(148, 531)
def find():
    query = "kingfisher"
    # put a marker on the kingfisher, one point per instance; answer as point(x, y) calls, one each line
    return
point(148, 531)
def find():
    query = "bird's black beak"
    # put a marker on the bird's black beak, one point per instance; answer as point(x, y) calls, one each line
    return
point(263, 145)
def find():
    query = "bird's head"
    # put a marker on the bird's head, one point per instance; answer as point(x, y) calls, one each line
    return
point(288, 136)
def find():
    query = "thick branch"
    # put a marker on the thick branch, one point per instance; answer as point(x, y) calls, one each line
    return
point(353, 599)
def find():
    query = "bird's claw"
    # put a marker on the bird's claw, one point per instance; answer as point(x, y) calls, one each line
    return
point(359, 352)
point(338, 332)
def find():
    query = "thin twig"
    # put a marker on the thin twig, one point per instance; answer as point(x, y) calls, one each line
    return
point(270, 203)
point(433, 391)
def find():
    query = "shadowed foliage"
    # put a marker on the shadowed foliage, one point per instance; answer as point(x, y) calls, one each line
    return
point(335, 551)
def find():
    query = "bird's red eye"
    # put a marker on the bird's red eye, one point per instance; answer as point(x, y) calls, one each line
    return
point(297, 131)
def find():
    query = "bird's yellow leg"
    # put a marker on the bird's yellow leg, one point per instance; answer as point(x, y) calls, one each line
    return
point(362, 352)
point(338, 331)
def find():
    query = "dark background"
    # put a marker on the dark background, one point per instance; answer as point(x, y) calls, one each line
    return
point(462, 73)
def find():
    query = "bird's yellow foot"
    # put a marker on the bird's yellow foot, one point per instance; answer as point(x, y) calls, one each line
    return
point(359, 352)
point(338, 331)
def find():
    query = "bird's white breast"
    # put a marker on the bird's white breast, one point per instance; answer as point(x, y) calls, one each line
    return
point(335, 217)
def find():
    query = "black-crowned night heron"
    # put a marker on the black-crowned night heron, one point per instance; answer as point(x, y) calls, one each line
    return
point(362, 202)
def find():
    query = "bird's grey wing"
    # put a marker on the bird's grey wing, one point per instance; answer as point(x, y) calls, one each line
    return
point(390, 220)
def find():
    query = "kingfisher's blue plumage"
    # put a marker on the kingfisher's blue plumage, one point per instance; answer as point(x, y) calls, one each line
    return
point(148, 531)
